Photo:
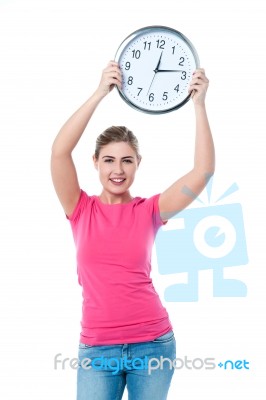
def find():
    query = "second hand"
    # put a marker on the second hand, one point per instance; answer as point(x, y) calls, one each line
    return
point(155, 72)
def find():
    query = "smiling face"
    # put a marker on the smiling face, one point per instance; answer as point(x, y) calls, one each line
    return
point(117, 164)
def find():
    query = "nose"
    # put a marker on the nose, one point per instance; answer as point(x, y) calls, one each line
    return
point(119, 170)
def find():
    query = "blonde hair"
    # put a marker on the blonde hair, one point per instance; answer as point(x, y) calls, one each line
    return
point(117, 134)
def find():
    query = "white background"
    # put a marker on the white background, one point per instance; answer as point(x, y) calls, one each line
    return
point(52, 55)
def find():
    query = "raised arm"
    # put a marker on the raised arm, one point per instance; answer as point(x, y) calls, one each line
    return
point(64, 175)
point(180, 194)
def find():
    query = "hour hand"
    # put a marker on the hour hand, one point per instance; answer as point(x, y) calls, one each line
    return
point(158, 64)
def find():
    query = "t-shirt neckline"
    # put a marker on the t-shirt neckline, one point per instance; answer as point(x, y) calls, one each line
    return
point(115, 204)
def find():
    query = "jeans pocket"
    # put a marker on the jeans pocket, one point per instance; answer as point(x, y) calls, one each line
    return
point(84, 346)
point(167, 337)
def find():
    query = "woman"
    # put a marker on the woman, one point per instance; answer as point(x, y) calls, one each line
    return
point(125, 328)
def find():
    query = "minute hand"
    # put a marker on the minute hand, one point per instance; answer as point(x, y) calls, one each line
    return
point(169, 70)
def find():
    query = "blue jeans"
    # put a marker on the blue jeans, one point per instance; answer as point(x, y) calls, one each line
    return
point(104, 371)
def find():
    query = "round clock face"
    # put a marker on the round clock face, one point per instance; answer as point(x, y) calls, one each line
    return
point(157, 64)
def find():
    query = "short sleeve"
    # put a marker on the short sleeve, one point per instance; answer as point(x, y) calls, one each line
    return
point(80, 207)
point(152, 205)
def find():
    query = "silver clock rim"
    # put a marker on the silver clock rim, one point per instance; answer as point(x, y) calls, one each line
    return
point(146, 111)
point(139, 32)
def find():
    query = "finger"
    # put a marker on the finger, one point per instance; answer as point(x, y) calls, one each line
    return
point(199, 81)
point(113, 63)
point(112, 68)
point(113, 72)
point(200, 70)
point(114, 76)
point(111, 79)
point(200, 75)
point(191, 91)
point(114, 81)
point(198, 88)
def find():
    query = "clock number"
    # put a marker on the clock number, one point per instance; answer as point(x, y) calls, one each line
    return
point(181, 61)
point(140, 89)
point(177, 88)
point(165, 95)
point(127, 67)
point(130, 80)
point(184, 75)
point(136, 54)
point(173, 52)
point(151, 97)
point(160, 44)
point(147, 45)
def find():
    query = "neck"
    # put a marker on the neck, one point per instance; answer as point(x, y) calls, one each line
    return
point(111, 198)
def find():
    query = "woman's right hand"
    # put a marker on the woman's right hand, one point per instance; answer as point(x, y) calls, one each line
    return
point(111, 76)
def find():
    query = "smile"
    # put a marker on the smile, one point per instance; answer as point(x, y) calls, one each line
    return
point(117, 180)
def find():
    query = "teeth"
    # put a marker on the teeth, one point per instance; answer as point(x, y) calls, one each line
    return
point(117, 180)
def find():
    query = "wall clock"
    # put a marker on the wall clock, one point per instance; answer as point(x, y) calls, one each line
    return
point(157, 63)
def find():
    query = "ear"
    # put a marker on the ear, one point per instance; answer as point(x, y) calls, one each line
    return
point(139, 160)
point(95, 161)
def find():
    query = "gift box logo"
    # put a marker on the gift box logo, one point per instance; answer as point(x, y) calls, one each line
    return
point(207, 237)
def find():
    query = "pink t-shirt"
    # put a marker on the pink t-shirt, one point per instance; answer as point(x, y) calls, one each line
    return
point(113, 249)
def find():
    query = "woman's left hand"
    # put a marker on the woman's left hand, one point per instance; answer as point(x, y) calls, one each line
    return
point(199, 86)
